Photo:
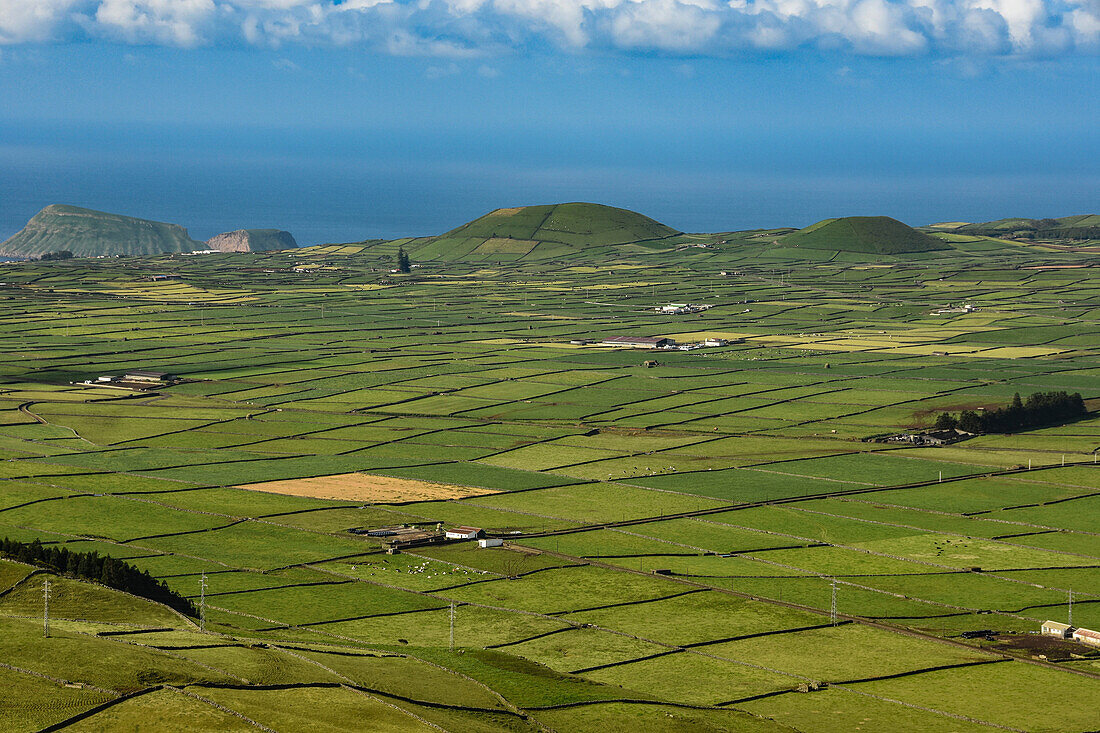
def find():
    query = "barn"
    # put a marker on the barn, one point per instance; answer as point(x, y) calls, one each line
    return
point(1087, 636)
point(464, 533)
point(635, 342)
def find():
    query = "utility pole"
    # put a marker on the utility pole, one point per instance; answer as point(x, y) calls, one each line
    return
point(452, 625)
point(202, 602)
point(1071, 607)
point(832, 611)
point(46, 608)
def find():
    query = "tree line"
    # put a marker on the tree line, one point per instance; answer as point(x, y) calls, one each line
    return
point(103, 569)
point(60, 255)
point(1040, 409)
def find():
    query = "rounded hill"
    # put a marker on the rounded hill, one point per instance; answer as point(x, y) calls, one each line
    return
point(546, 231)
point(866, 234)
point(88, 233)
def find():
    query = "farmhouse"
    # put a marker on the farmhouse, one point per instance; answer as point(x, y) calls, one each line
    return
point(1087, 636)
point(636, 342)
point(1055, 628)
point(676, 309)
point(464, 533)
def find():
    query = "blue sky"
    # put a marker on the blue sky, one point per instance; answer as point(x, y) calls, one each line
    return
point(358, 118)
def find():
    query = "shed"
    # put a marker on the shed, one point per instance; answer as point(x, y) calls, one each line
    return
point(1056, 628)
point(490, 542)
point(1087, 636)
point(464, 533)
point(635, 342)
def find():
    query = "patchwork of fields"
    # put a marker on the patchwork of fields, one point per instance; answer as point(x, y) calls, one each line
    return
point(711, 543)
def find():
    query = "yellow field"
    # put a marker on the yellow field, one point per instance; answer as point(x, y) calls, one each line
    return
point(366, 487)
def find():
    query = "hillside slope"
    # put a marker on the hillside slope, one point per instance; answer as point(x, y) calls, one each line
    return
point(865, 234)
point(252, 240)
point(544, 231)
point(88, 233)
point(1079, 226)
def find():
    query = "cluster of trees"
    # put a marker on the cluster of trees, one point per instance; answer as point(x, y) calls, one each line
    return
point(61, 255)
point(102, 569)
point(1041, 408)
point(403, 262)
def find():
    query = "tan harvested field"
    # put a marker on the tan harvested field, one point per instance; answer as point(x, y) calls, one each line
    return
point(366, 487)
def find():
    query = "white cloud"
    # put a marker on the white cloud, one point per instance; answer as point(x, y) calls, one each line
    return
point(168, 22)
point(23, 21)
point(470, 28)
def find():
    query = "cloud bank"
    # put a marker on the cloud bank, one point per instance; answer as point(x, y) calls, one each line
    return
point(466, 28)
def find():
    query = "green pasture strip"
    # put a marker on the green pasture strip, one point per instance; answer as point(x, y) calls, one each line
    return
point(1077, 514)
point(169, 706)
point(696, 617)
point(30, 702)
point(244, 502)
point(108, 516)
point(521, 681)
point(841, 710)
point(746, 485)
point(460, 513)
point(596, 502)
point(980, 494)
point(472, 474)
point(17, 493)
point(845, 652)
point(72, 599)
point(259, 546)
point(474, 627)
point(102, 663)
point(717, 533)
point(1019, 686)
point(411, 572)
point(674, 676)
point(539, 592)
point(581, 648)
point(407, 677)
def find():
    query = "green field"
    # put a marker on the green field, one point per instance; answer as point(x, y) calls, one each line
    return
point(676, 536)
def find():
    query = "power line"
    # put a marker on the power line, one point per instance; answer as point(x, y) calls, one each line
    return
point(452, 625)
point(832, 611)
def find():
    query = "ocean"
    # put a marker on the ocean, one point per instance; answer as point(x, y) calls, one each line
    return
point(324, 196)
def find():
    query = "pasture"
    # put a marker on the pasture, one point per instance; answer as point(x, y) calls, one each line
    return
point(687, 543)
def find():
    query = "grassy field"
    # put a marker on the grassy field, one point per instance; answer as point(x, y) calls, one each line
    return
point(675, 535)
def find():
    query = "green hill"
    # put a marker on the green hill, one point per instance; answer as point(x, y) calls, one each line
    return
point(1078, 226)
point(866, 234)
point(543, 231)
point(87, 233)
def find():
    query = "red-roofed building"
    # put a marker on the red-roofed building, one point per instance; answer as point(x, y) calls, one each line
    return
point(1087, 636)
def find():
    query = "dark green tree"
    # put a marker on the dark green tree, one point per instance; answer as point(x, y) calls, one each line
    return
point(946, 421)
point(403, 264)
